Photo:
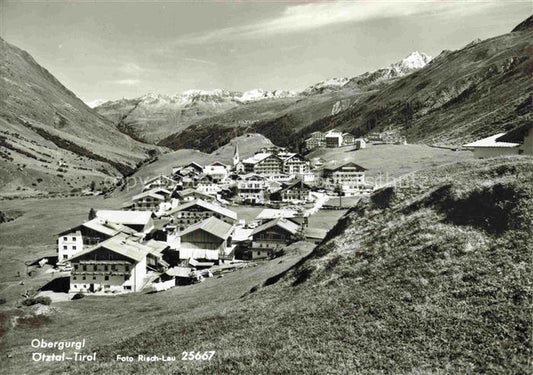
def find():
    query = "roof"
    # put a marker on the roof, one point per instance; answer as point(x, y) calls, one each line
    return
point(125, 217)
point(517, 134)
point(156, 247)
point(121, 244)
point(296, 183)
point(178, 271)
point(337, 166)
point(101, 226)
point(257, 158)
point(491, 142)
point(241, 234)
point(251, 176)
point(152, 193)
point(190, 191)
point(212, 225)
point(333, 135)
point(163, 177)
point(316, 233)
point(206, 205)
point(271, 213)
point(287, 225)
point(217, 163)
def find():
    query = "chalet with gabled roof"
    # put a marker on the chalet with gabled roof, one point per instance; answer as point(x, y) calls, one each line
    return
point(115, 265)
point(198, 210)
point(209, 239)
point(272, 236)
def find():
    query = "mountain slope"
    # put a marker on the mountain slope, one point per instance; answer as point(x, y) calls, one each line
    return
point(459, 96)
point(429, 276)
point(45, 127)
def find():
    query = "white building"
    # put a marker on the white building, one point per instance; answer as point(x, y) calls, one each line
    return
point(251, 188)
point(333, 139)
point(349, 177)
point(493, 146)
point(217, 171)
point(115, 265)
point(74, 240)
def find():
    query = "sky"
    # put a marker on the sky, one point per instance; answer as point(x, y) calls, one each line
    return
point(125, 49)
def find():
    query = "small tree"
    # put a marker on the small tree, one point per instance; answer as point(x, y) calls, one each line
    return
point(92, 213)
point(92, 186)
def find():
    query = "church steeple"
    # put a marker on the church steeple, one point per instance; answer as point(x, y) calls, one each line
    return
point(236, 157)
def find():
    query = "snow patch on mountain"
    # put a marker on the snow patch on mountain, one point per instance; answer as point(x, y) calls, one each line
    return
point(95, 103)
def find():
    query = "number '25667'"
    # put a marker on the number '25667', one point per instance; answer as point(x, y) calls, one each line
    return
point(197, 356)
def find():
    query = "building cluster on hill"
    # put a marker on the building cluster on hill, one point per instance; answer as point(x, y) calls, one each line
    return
point(332, 139)
point(181, 225)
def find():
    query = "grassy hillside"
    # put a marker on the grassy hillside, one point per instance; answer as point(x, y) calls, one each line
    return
point(386, 162)
point(433, 276)
point(459, 96)
point(49, 139)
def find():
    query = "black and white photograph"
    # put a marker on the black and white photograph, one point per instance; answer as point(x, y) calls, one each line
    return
point(266, 187)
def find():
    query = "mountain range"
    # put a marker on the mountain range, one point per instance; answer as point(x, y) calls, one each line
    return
point(473, 92)
point(153, 117)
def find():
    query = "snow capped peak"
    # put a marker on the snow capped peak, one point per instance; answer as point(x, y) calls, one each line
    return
point(212, 92)
point(328, 84)
point(95, 103)
point(259, 94)
point(416, 60)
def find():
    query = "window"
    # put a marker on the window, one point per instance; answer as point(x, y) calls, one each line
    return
point(94, 277)
point(65, 257)
point(127, 287)
point(106, 277)
point(73, 238)
point(83, 278)
point(76, 267)
point(106, 267)
point(127, 268)
point(114, 267)
point(73, 277)
point(65, 247)
point(84, 268)
point(95, 268)
point(126, 277)
point(73, 247)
